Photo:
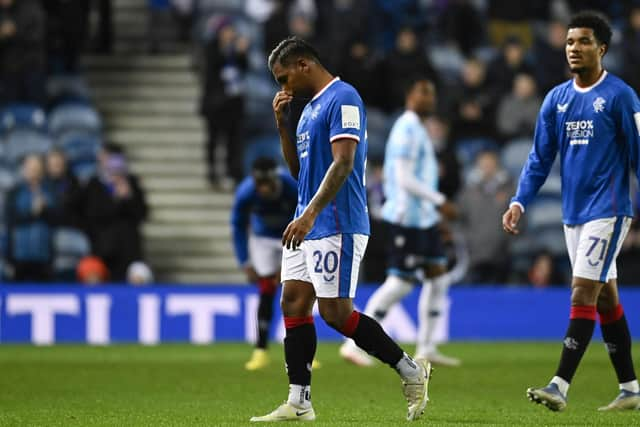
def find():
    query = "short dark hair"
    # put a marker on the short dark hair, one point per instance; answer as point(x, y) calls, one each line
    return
point(594, 20)
point(411, 80)
point(264, 168)
point(291, 49)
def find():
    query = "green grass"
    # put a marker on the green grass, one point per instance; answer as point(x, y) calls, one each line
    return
point(176, 385)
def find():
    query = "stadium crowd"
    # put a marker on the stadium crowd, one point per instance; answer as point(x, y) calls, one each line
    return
point(69, 207)
point(492, 62)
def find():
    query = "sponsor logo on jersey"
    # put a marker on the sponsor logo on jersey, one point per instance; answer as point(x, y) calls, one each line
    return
point(562, 108)
point(579, 132)
point(303, 143)
point(350, 117)
point(598, 104)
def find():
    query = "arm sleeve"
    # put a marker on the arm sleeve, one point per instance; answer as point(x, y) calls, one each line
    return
point(407, 181)
point(346, 116)
point(240, 221)
point(541, 157)
point(629, 113)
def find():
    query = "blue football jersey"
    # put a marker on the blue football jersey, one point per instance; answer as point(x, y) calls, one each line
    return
point(265, 217)
point(596, 130)
point(336, 112)
point(410, 141)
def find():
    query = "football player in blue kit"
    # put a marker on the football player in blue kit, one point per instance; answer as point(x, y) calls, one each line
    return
point(263, 206)
point(324, 244)
point(593, 121)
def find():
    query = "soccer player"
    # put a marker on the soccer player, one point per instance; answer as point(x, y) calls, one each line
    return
point(411, 211)
point(264, 203)
point(324, 244)
point(593, 121)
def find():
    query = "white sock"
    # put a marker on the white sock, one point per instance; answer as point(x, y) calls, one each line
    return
point(407, 368)
point(631, 386)
point(431, 305)
point(392, 290)
point(562, 384)
point(299, 396)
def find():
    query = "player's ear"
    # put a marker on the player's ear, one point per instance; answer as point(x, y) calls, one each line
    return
point(603, 49)
point(303, 64)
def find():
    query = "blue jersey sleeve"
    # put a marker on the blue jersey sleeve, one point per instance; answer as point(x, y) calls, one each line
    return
point(345, 116)
point(240, 213)
point(542, 155)
point(628, 112)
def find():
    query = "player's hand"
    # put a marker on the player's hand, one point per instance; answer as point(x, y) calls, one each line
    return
point(280, 101)
point(510, 219)
point(252, 275)
point(297, 230)
point(448, 210)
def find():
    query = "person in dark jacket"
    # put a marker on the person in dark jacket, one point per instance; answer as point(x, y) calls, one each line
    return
point(22, 57)
point(114, 208)
point(65, 188)
point(222, 103)
point(31, 215)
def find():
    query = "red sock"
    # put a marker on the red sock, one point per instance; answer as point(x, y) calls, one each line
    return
point(351, 324)
point(611, 316)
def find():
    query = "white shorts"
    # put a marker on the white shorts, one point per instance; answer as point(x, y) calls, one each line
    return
point(331, 264)
point(265, 254)
point(594, 246)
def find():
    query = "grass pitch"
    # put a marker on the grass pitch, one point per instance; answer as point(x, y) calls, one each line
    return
point(182, 385)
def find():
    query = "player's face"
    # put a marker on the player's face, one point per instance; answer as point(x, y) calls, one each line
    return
point(266, 188)
point(293, 79)
point(583, 50)
point(424, 97)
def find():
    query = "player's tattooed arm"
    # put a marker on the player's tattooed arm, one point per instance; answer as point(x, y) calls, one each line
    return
point(343, 151)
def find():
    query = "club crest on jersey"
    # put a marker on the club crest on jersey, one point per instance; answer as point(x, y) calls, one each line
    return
point(315, 112)
point(598, 104)
point(562, 108)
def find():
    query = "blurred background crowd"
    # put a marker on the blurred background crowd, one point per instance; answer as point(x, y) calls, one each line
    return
point(72, 206)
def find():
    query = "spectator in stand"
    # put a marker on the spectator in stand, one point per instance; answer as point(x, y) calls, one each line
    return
point(65, 188)
point(22, 52)
point(518, 110)
point(544, 272)
point(449, 181)
point(139, 274)
point(549, 55)
point(407, 59)
point(462, 23)
point(31, 214)
point(223, 99)
point(91, 270)
point(485, 196)
point(114, 207)
point(67, 30)
point(509, 18)
point(631, 65)
point(104, 42)
point(475, 106)
point(504, 69)
point(361, 68)
point(335, 23)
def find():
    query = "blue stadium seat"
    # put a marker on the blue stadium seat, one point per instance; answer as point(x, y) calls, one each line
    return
point(21, 142)
point(69, 246)
point(468, 149)
point(67, 88)
point(262, 146)
point(514, 155)
point(19, 116)
point(8, 178)
point(79, 146)
point(74, 116)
